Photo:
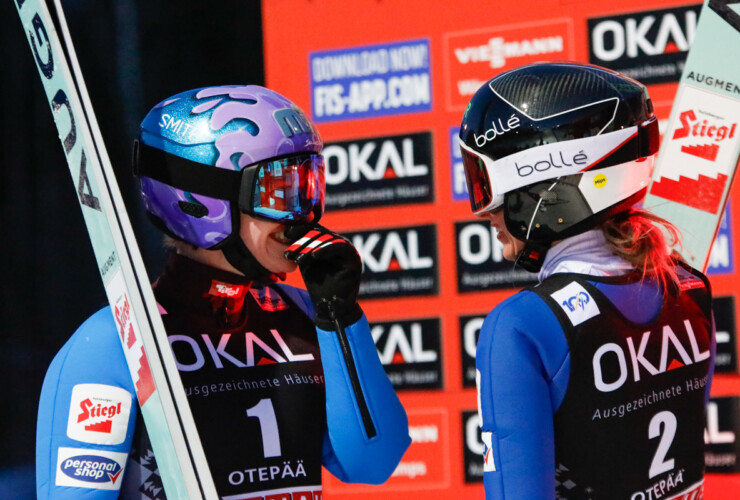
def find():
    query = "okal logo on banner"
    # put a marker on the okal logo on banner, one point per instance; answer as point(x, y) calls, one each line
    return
point(374, 80)
point(722, 451)
point(410, 351)
point(473, 57)
point(725, 361)
point(649, 46)
point(697, 150)
point(379, 171)
point(480, 261)
point(473, 447)
point(457, 172)
point(469, 332)
point(397, 261)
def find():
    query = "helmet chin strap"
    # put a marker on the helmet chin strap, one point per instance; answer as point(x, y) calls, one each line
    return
point(239, 256)
point(532, 256)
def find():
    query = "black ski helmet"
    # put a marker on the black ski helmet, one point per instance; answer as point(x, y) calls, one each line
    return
point(561, 146)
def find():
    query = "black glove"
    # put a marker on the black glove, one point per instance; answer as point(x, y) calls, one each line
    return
point(331, 269)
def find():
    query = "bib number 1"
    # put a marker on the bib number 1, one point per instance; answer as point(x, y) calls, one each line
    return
point(265, 413)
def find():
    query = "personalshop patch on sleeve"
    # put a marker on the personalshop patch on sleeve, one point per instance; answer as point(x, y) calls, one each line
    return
point(95, 469)
point(489, 464)
point(576, 302)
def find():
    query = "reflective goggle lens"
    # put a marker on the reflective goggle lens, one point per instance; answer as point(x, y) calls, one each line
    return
point(289, 189)
point(476, 176)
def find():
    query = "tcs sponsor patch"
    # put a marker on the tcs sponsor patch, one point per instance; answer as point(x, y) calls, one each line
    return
point(576, 302)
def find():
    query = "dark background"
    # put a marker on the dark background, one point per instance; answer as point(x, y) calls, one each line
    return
point(133, 54)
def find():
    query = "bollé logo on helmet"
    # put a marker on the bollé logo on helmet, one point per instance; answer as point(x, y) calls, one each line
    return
point(559, 161)
point(645, 359)
point(496, 131)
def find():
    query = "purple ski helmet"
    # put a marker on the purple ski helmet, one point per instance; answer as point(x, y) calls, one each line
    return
point(206, 154)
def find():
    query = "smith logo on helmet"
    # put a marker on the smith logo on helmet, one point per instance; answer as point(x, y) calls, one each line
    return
point(410, 351)
point(398, 261)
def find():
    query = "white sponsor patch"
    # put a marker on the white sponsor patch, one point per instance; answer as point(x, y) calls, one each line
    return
point(93, 469)
point(577, 303)
point(99, 414)
point(489, 464)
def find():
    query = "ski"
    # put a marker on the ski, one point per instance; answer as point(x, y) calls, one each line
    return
point(699, 154)
point(174, 437)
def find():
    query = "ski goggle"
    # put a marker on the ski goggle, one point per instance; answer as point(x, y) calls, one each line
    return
point(488, 180)
point(287, 189)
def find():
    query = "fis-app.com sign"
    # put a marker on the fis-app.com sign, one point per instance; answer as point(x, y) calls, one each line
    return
point(373, 80)
point(650, 46)
point(379, 171)
point(400, 261)
point(410, 351)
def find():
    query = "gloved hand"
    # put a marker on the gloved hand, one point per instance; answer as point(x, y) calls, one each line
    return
point(331, 269)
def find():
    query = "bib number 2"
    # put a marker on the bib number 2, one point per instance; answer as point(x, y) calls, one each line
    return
point(663, 425)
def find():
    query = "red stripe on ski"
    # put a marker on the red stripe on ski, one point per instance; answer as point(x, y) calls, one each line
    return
point(704, 193)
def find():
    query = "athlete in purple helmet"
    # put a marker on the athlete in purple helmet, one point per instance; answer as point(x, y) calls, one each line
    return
point(226, 172)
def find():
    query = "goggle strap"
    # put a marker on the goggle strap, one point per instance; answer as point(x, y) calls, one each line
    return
point(246, 191)
point(186, 175)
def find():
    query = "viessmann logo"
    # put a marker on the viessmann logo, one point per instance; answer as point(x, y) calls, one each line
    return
point(471, 55)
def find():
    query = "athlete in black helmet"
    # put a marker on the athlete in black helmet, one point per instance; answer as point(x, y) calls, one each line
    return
point(592, 384)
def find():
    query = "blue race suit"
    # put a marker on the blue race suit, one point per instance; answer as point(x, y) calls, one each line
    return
point(269, 393)
point(593, 384)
